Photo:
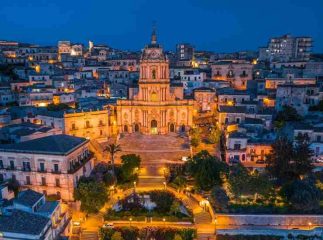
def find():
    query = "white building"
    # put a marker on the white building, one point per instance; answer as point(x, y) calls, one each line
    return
point(50, 165)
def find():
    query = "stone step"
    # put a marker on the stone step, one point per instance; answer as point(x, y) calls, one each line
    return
point(89, 235)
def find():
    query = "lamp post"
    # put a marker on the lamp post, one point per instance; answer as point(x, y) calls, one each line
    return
point(164, 220)
point(309, 225)
point(164, 185)
point(134, 185)
point(130, 219)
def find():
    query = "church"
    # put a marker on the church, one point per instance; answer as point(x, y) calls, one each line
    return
point(155, 106)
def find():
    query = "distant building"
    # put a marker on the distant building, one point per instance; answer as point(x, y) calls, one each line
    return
point(184, 51)
point(236, 72)
point(287, 48)
point(298, 96)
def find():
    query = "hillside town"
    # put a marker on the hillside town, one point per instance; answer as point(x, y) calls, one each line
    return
point(96, 141)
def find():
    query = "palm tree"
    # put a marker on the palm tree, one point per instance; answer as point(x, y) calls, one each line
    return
point(113, 149)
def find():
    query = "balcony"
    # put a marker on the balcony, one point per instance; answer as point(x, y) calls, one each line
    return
point(11, 168)
point(56, 171)
point(78, 165)
point(88, 126)
point(25, 169)
point(41, 170)
point(74, 129)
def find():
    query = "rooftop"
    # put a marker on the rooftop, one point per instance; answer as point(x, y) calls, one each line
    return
point(28, 198)
point(23, 223)
point(55, 145)
point(232, 109)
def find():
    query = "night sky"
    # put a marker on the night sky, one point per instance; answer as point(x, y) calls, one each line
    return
point(222, 26)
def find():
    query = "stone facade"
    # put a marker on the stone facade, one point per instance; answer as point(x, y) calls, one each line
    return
point(50, 172)
point(155, 107)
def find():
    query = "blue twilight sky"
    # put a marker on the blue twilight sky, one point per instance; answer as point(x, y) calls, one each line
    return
point(222, 26)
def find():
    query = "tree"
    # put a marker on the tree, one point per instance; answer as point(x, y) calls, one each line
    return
point(112, 149)
point(117, 236)
point(175, 207)
point(318, 107)
point(178, 237)
point(206, 170)
point(57, 107)
point(302, 195)
point(180, 182)
point(288, 114)
point(219, 199)
point(13, 185)
point(109, 179)
point(92, 195)
point(287, 162)
point(105, 233)
point(129, 163)
point(163, 200)
point(238, 180)
point(195, 134)
point(302, 160)
point(279, 160)
point(214, 135)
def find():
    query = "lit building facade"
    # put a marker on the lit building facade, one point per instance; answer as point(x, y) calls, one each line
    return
point(51, 165)
point(155, 107)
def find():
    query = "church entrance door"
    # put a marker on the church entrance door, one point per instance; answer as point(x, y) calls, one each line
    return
point(153, 127)
point(136, 128)
point(172, 127)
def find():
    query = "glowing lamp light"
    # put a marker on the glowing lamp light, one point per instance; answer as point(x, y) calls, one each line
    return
point(37, 69)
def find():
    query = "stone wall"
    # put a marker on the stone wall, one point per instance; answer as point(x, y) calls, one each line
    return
point(268, 220)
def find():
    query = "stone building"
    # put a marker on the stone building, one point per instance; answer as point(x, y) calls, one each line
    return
point(236, 72)
point(156, 106)
point(52, 164)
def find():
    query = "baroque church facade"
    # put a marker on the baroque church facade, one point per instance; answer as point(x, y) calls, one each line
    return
point(155, 106)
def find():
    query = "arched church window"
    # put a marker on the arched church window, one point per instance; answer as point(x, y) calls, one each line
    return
point(153, 97)
point(153, 74)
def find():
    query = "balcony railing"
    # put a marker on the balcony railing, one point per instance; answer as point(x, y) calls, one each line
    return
point(11, 168)
point(26, 169)
point(42, 170)
point(78, 165)
point(56, 171)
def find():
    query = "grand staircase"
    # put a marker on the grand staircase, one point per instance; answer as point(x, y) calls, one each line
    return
point(89, 235)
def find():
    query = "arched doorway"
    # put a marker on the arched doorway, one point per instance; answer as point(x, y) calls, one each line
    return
point(136, 127)
point(125, 128)
point(172, 127)
point(153, 127)
point(183, 128)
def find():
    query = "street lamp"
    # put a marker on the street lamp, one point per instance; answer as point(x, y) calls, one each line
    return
point(309, 225)
point(164, 220)
point(164, 185)
point(130, 219)
point(134, 185)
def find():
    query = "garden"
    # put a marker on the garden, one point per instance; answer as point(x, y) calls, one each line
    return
point(157, 205)
point(286, 186)
point(157, 233)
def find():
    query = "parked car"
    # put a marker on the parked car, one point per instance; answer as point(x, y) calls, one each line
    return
point(108, 225)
